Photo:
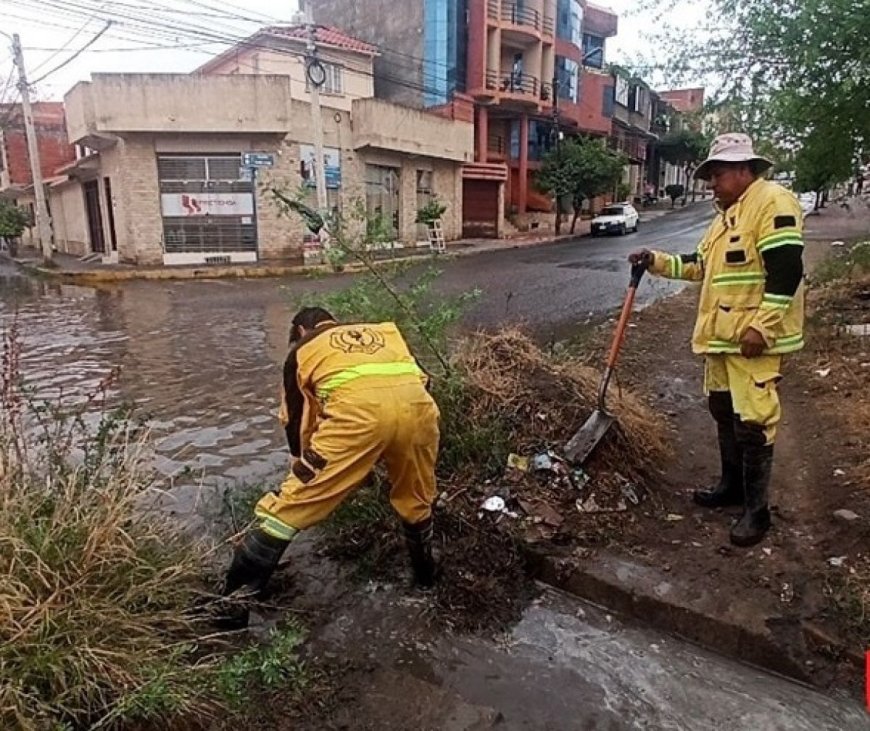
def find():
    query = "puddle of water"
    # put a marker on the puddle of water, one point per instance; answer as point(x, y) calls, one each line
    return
point(201, 363)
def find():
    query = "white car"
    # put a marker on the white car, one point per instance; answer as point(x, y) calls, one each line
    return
point(617, 218)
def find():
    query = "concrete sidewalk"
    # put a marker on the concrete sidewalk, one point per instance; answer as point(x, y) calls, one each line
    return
point(73, 270)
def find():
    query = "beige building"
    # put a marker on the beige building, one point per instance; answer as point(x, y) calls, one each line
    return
point(164, 170)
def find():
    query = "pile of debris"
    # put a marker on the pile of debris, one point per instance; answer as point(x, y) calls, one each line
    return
point(484, 522)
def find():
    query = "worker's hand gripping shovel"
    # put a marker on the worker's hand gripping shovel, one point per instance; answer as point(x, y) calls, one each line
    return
point(592, 432)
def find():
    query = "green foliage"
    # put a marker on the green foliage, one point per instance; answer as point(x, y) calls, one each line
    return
point(674, 191)
point(855, 262)
point(581, 167)
point(13, 220)
point(479, 443)
point(623, 191)
point(784, 68)
point(272, 666)
point(431, 212)
point(823, 159)
point(95, 592)
point(685, 148)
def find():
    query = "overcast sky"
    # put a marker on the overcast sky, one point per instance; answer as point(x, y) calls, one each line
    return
point(47, 27)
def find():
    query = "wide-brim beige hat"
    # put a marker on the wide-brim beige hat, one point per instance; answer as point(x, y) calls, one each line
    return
point(732, 147)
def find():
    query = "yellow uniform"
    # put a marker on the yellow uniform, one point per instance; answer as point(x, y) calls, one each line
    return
point(353, 394)
point(746, 266)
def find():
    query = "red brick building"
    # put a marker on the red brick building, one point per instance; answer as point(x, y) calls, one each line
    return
point(55, 151)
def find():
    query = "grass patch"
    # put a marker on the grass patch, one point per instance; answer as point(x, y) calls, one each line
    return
point(849, 591)
point(847, 264)
point(273, 666)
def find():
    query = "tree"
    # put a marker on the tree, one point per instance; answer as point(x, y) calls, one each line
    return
point(822, 160)
point(674, 191)
point(13, 221)
point(785, 68)
point(685, 148)
point(581, 169)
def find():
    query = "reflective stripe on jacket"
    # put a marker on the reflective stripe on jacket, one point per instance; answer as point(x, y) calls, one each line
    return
point(730, 264)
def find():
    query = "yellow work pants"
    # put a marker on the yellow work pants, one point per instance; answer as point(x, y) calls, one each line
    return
point(361, 423)
point(752, 383)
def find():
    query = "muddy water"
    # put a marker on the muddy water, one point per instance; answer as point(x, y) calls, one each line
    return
point(200, 360)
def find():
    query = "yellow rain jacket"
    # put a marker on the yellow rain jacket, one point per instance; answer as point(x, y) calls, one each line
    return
point(353, 394)
point(737, 264)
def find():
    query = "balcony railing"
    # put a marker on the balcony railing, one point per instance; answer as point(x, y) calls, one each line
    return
point(517, 14)
point(513, 83)
point(492, 9)
point(548, 26)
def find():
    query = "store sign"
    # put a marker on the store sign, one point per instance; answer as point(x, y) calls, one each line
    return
point(207, 204)
point(331, 163)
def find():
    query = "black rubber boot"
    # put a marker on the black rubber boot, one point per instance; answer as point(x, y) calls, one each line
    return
point(418, 537)
point(757, 467)
point(729, 491)
point(254, 562)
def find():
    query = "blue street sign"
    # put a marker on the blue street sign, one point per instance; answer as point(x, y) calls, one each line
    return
point(258, 159)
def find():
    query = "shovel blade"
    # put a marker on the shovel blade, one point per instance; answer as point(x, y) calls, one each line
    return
point(582, 444)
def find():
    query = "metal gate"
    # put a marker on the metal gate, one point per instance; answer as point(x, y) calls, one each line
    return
point(207, 207)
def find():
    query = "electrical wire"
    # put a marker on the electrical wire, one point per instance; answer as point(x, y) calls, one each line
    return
point(164, 29)
point(63, 48)
point(74, 56)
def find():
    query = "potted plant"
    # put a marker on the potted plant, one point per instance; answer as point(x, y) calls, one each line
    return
point(431, 212)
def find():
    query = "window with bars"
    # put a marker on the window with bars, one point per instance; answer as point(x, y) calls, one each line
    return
point(208, 176)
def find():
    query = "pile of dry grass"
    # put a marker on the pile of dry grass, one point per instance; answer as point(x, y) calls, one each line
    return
point(541, 400)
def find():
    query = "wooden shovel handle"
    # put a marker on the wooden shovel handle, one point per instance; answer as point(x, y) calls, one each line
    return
point(637, 271)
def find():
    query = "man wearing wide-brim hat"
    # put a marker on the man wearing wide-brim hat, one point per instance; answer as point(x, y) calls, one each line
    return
point(750, 314)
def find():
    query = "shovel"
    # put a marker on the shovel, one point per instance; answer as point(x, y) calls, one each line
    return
point(582, 444)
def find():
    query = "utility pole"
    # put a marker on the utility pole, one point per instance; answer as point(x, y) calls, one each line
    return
point(43, 223)
point(557, 144)
point(316, 74)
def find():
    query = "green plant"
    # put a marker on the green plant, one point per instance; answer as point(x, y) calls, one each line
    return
point(853, 262)
point(431, 212)
point(581, 168)
point(674, 191)
point(95, 592)
point(623, 191)
point(13, 220)
point(274, 665)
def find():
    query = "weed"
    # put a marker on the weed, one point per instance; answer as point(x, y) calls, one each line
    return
point(845, 265)
point(94, 593)
point(272, 666)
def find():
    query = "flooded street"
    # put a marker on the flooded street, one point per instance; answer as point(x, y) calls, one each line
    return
point(201, 360)
point(205, 376)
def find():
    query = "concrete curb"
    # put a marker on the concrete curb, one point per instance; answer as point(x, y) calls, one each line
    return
point(725, 625)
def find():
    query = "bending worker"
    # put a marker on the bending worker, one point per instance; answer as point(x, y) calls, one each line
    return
point(750, 314)
point(352, 394)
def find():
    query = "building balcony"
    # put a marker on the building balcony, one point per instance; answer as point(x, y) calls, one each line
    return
point(520, 24)
point(383, 126)
point(510, 86)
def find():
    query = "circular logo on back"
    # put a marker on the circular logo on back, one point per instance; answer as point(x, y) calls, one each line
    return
point(357, 340)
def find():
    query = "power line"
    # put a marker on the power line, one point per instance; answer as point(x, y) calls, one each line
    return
point(64, 47)
point(74, 56)
point(162, 29)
